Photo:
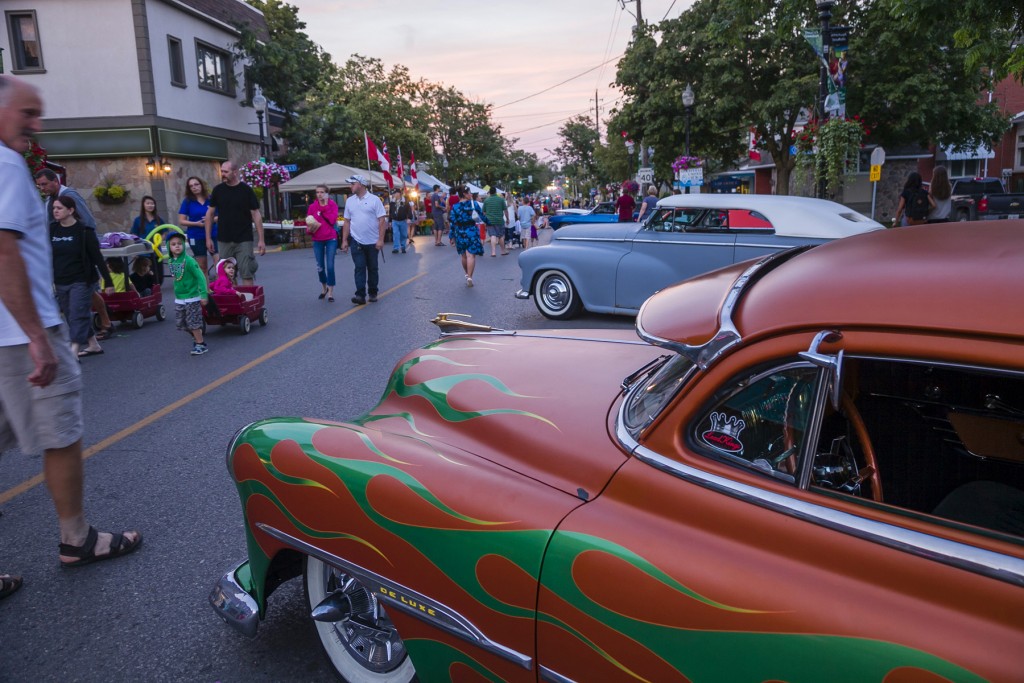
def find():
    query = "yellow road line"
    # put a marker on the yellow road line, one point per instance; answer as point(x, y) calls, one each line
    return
point(24, 486)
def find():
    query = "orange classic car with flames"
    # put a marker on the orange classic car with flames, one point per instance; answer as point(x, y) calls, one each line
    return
point(806, 468)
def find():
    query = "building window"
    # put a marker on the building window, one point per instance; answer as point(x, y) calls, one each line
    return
point(964, 168)
point(177, 60)
point(214, 69)
point(24, 36)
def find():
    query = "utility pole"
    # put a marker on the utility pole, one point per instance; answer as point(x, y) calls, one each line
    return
point(644, 161)
point(597, 119)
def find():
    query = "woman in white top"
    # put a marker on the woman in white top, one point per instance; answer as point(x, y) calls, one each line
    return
point(940, 190)
point(512, 221)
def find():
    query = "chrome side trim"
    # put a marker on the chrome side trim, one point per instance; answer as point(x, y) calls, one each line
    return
point(407, 600)
point(549, 676)
point(976, 560)
point(535, 335)
point(774, 247)
point(685, 243)
point(589, 239)
point(727, 336)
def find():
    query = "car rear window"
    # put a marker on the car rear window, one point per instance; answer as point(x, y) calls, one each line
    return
point(744, 219)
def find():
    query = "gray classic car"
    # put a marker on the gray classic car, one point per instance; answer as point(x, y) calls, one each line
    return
point(615, 267)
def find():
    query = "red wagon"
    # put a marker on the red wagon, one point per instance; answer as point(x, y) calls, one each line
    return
point(131, 306)
point(230, 309)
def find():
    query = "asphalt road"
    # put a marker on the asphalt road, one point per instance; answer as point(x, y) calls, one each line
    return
point(157, 425)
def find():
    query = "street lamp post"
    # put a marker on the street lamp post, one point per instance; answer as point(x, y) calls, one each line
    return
point(825, 14)
point(688, 100)
point(259, 102)
point(630, 146)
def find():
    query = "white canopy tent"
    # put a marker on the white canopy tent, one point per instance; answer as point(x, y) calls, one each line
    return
point(334, 176)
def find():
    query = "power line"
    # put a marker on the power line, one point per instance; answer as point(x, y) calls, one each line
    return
point(669, 10)
point(572, 78)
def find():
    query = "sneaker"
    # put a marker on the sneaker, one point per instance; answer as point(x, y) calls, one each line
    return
point(373, 298)
point(199, 349)
point(358, 300)
point(403, 251)
point(394, 251)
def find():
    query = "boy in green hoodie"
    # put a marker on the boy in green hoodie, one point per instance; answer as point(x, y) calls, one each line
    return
point(189, 292)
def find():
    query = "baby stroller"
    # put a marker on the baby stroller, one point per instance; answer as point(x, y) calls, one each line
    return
point(130, 305)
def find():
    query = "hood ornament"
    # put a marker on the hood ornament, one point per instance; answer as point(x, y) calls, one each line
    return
point(448, 325)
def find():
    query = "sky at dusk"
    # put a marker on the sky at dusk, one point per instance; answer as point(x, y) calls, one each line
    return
point(495, 52)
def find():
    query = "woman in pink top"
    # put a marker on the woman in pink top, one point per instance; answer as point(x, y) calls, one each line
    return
point(321, 224)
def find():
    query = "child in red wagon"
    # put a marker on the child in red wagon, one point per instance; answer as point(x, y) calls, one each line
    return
point(225, 282)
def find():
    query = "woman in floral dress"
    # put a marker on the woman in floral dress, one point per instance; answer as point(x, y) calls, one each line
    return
point(464, 219)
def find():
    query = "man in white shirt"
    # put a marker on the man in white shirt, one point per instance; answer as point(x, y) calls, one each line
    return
point(40, 387)
point(364, 226)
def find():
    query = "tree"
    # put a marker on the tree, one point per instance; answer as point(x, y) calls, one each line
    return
point(288, 64)
point(576, 152)
point(750, 68)
point(913, 84)
point(990, 31)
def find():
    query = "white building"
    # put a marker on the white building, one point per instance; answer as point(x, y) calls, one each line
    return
point(143, 92)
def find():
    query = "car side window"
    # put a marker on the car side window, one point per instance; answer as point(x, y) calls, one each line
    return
point(760, 421)
point(604, 207)
point(745, 219)
point(923, 438)
point(674, 220)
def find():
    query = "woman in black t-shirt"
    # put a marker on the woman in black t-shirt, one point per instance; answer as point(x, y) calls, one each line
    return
point(76, 258)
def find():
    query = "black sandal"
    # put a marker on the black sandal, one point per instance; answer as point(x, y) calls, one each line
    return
point(9, 585)
point(105, 333)
point(119, 545)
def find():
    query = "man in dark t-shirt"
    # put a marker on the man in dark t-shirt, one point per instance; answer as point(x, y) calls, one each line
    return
point(237, 211)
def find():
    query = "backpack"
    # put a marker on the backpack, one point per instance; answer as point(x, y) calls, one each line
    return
point(917, 206)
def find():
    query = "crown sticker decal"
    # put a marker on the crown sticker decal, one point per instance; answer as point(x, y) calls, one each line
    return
point(724, 434)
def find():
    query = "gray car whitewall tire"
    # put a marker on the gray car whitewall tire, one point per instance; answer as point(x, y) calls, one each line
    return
point(555, 295)
point(345, 643)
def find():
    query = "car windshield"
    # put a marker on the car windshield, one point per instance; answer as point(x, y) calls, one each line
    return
point(647, 398)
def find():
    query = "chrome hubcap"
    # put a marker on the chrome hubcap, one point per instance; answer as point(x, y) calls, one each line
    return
point(555, 293)
point(367, 632)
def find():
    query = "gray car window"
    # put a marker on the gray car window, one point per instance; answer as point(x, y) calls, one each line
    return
point(674, 220)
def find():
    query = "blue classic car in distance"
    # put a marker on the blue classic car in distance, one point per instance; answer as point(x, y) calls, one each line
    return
point(615, 267)
point(602, 213)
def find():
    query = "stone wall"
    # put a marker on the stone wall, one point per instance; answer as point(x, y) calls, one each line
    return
point(167, 188)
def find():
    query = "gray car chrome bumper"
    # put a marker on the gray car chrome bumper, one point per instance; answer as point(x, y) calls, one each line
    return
point(522, 294)
point(234, 605)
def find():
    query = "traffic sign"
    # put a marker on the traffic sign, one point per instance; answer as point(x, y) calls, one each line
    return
point(876, 173)
point(645, 176)
point(291, 168)
point(877, 156)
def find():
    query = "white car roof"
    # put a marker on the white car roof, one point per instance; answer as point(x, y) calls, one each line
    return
point(790, 216)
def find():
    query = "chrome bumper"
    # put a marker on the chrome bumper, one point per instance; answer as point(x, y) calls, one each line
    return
point(522, 294)
point(234, 605)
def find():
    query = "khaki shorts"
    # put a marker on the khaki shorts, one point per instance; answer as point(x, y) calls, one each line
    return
point(40, 419)
point(243, 255)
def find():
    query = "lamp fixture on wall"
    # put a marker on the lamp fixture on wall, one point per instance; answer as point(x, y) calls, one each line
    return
point(165, 164)
point(150, 166)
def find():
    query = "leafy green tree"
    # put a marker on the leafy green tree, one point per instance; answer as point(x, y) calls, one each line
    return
point(288, 64)
point(576, 151)
point(910, 82)
point(990, 31)
point(749, 67)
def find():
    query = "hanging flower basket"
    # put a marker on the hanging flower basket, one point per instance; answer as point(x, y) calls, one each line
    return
point(263, 174)
point(630, 186)
point(110, 192)
point(685, 163)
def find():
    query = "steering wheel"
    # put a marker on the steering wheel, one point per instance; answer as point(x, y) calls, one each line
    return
point(869, 473)
point(870, 470)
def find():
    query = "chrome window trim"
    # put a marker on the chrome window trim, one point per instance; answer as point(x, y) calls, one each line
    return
point(959, 555)
point(446, 618)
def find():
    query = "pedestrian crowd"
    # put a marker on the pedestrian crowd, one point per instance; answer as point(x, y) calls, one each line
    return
point(55, 284)
point(919, 205)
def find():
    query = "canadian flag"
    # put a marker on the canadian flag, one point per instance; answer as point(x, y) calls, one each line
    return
point(412, 167)
point(398, 167)
point(755, 155)
point(382, 158)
